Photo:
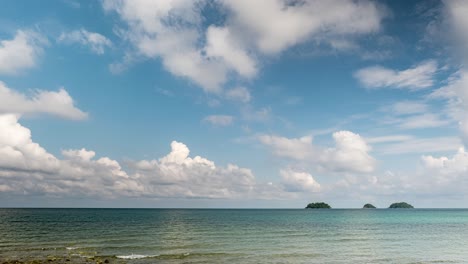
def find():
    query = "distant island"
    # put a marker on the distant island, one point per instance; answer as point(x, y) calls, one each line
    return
point(400, 205)
point(369, 206)
point(320, 205)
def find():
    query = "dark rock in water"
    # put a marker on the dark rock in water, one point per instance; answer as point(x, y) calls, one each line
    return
point(369, 206)
point(400, 205)
point(320, 205)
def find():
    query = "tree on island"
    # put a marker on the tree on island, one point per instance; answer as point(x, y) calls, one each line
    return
point(320, 205)
point(400, 205)
point(369, 206)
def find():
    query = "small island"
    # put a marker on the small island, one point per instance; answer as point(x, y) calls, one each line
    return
point(400, 205)
point(369, 206)
point(320, 205)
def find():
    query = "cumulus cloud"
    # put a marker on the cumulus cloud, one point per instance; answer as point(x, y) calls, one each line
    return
point(418, 77)
point(169, 30)
point(221, 44)
point(444, 174)
point(219, 120)
point(21, 52)
point(58, 103)
point(295, 181)
point(179, 175)
point(456, 164)
point(350, 154)
point(27, 168)
point(18, 152)
point(444, 177)
point(208, 55)
point(95, 41)
point(274, 26)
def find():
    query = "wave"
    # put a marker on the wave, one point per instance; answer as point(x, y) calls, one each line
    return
point(71, 248)
point(136, 256)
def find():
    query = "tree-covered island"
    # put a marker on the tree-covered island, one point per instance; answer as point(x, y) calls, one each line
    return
point(400, 205)
point(320, 205)
point(369, 206)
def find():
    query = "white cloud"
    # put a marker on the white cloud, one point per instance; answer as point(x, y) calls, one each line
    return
point(170, 30)
point(95, 41)
point(220, 44)
point(274, 26)
point(457, 164)
point(446, 175)
point(18, 151)
point(178, 175)
point(295, 181)
point(174, 31)
point(78, 154)
point(21, 52)
point(219, 120)
point(418, 77)
point(57, 103)
point(27, 168)
point(240, 94)
point(350, 154)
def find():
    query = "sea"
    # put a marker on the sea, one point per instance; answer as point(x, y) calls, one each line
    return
point(234, 235)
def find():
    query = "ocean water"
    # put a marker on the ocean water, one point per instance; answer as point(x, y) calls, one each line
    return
point(236, 236)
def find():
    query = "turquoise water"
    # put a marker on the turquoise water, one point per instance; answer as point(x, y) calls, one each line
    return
point(237, 236)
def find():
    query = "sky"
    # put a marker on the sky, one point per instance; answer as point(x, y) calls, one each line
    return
point(233, 103)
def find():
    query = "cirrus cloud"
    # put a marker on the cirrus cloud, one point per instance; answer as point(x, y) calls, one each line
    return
point(418, 77)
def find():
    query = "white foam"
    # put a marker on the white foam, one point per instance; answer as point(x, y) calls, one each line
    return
point(71, 248)
point(135, 256)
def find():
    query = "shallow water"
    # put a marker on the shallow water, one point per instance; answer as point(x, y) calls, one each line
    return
point(237, 236)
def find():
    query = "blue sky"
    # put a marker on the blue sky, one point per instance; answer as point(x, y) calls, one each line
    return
point(233, 103)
